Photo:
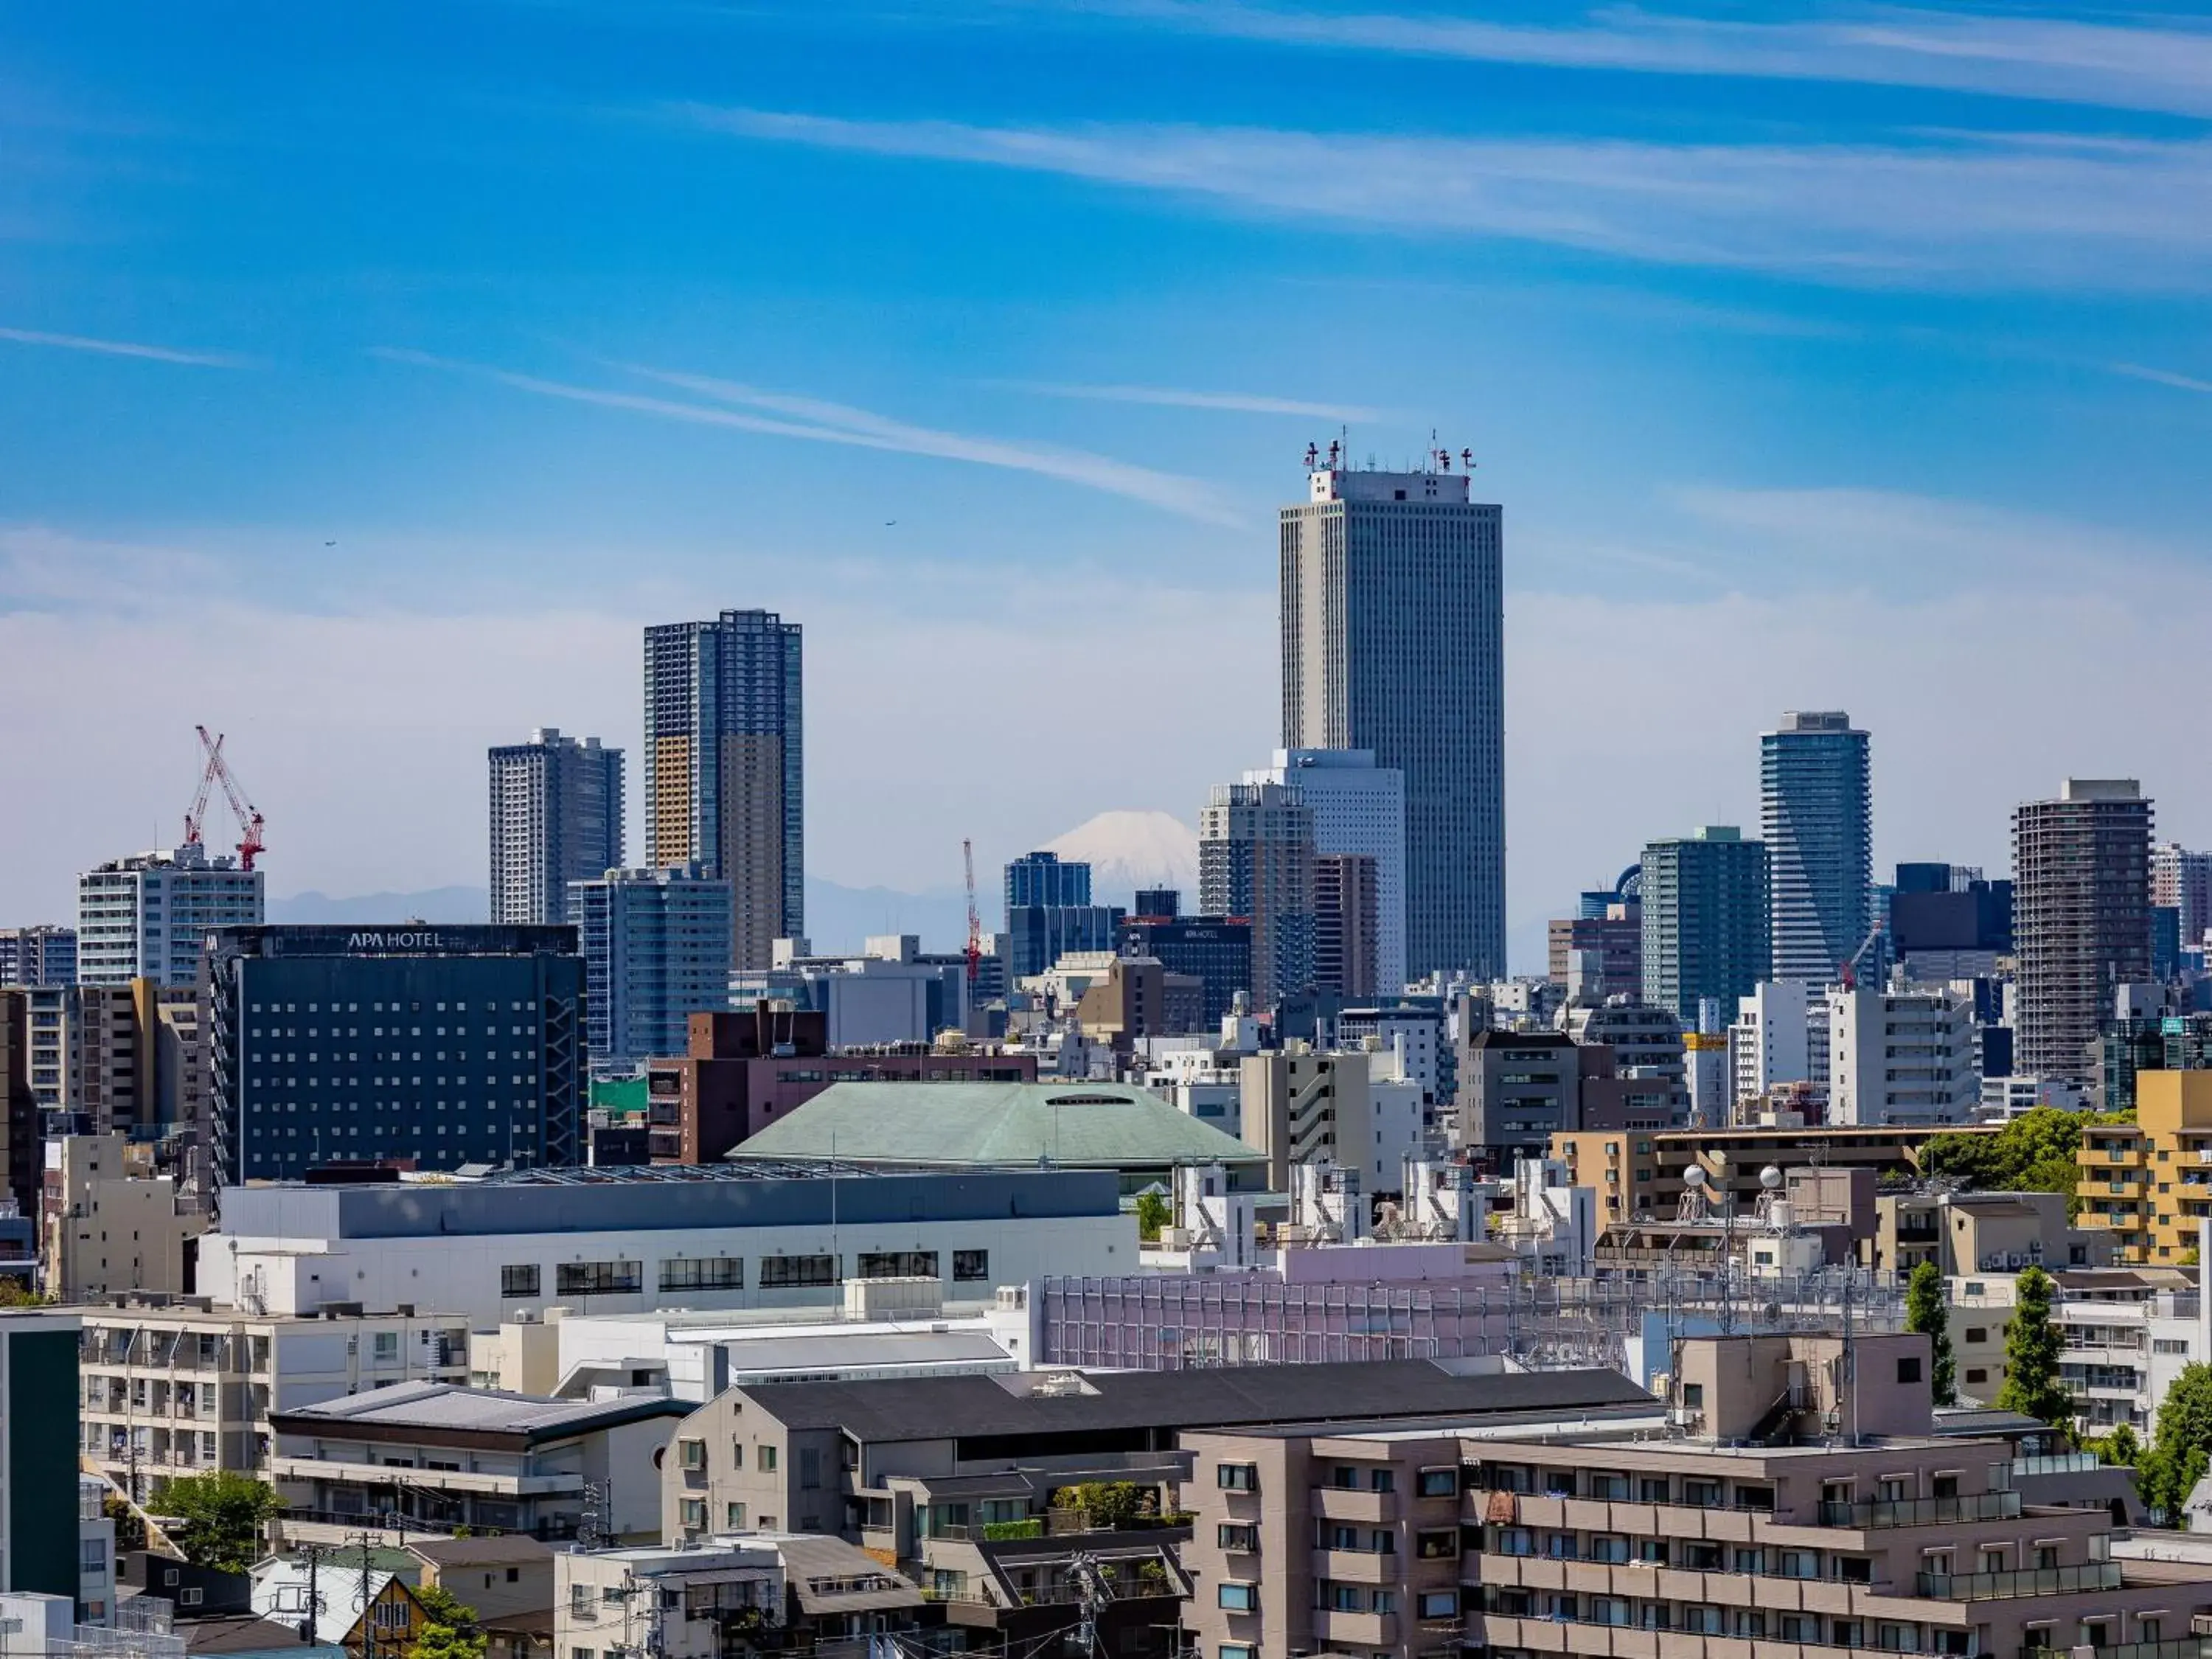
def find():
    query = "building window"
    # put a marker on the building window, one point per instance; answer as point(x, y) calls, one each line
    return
point(716, 1272)
point(1908, 1369)
point(792, 1272)
point(692, 1454)
point(518, 1281)
point(1439, 1604)
point(1439, 1483)
point(898, 1264)
point(599, 1277)
point(1443, 1544)
point(1237, 1477)
point(387, 1347)
point(736, 1513)
point(1236, 1651)
point(970, 1266)
point(695, 1515)
point(1240, 1539)
point(1237, 1598)
point(764, 1461)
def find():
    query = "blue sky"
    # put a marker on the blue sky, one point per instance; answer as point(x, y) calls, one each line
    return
point(369, 376)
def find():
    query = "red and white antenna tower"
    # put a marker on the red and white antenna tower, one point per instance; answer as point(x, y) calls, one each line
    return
point(217, 771)
point(975, 921)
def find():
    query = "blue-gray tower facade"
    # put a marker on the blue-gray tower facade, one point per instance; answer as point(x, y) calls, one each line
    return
point(1816, 816)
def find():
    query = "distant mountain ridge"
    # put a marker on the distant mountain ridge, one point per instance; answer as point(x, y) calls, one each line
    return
point(453, 905)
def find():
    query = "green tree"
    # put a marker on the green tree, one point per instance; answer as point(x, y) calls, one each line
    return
point(1928, 1313)
point(2120, 1450)
point(2032, 1385)
point(2170, 1470)
point(1110, 1506)
point(1154, 1213)
point(219, 1518)
point(451, 1629)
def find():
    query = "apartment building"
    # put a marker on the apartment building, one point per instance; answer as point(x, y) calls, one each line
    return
point(179, 1386)
point(1642, 1174)
point(1968, 1233)
point(110, 1224)
point(1901, 1057)
point(2149, 1183)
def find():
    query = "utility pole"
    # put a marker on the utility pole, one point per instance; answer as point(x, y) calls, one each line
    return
point(308, 1627)
point(366, 1599)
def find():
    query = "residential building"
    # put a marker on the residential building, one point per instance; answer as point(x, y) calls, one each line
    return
point(509, 1580)
point(2180, 879)
point(624, 1240)
point(1345, 946)
point(1614, 938)
point(110, 1226)
point(1256, 860)
point(1136, 997)
point(1107, 1126)
point(1299, 1106)
point(1216, 950)
point(1358, 812)
point(364, 1610)
point(725, 771)
point(656, 948)
point(2150, 1182)
point(44, 955)
point(1704, 914)
point(889, 993)
point(1416, 1029)
point(1516, 1091)
point(1888, 1533)
point(1642, 1174)
point(976, 1487)
point(1968, 1233)
point(444, 1045)
point(1816, 816)
point(2081, 917)
point(1900, 1057)
point(473, 1458)
point(147, 916)
point(1711, 1079)
point(740, 1072)
point(1646, 1046)
point(1780, 1037)
point(182, 1385)
point(1392, 605)
point(556, 817)
point(20, 1160)
point(808, 1594)
point(39, 1521)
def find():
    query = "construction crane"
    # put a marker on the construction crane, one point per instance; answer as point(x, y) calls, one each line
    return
point(1848, 971)
point(217, 771)
point(975, 921)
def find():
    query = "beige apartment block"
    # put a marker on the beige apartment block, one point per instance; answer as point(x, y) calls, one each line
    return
point(111, 1226)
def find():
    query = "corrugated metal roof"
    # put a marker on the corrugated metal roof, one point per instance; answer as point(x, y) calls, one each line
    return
point(1071, 1125)
point(432, 1405)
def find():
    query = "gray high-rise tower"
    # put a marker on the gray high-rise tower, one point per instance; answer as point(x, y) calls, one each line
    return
point(1816, 814)
point(556, 817)
point(1393, 621)
point(2081, 918)
point(724, 775)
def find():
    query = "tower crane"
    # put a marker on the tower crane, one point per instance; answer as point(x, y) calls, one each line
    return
point(1848, 971)
point(217, 771)
point(975, 921)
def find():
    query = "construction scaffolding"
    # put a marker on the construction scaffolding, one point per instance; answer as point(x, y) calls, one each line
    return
point(1183, 1324)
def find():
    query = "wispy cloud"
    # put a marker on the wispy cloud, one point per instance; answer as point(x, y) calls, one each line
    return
point(817, 420)
point(1168, 396)
point(2000, 209)
point(2162, 377)
point(2163, 68)
point(33, 337)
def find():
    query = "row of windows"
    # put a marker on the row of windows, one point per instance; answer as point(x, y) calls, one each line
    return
point(377, 1007)
point(526, 1279)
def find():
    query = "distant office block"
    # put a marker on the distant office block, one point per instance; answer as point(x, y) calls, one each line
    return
point(1216, 950)
point(431, 1046)
point(1816, 814)
point(1163, 903)
point(1358, 808)
point(1044, 879)
point(147, 916)
point(1049, 914)
point(2081, 918)
point(656, 946)
point(556, 817)
point(1705, 905)
point(2180, 879)
point(1256, 860)
point(38, 955)
point(725, 773)
point(1393, 642)
point(1347, 933)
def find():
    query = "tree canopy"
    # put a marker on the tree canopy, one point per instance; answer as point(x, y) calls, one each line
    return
point(2180, 1445)
point(1928, 1312)
point(451, 1629)
point(2031, 1384)
point(2035, 1152)
point(219, 1517)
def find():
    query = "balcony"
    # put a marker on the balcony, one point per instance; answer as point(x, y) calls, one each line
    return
point(1922, 1512)
point(1347, 1503)
point(1361, 1629)
point(2187, 1647)
point(1357, 1567)
point(2055, 1463)
point(2012, 1586)
point(1567, 1636)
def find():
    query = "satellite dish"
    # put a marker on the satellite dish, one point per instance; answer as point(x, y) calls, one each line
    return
point(1694, 1176)
point(1771, 1176)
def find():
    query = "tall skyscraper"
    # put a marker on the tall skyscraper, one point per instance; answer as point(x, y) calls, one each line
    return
point(556, 817)
point(1392, 641)
point(1816, 813)
point(1347, 934)
point(1049, 914)
point(725, 779)
point(1256, 860)
point(1358, 808)
point(2081, 918)
point(656, 945)
point(147, 916)
point(1704, 919)
point(44, 955)
point(2180, 879)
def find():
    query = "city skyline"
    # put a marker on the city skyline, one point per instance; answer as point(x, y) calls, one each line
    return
point(1916, 436)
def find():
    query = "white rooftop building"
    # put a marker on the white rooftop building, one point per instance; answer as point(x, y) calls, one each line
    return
point(147, 916)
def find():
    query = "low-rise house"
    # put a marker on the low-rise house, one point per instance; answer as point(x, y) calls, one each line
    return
point(351, 1608)
point(439, 1457)
point(505, 1579)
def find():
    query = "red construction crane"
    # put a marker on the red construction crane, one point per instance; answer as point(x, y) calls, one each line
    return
point(975, 921)
point(217, 771)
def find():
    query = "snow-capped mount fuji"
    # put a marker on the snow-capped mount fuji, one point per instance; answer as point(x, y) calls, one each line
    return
point(1127, 850)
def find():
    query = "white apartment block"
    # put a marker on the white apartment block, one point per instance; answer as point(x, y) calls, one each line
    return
point(1357, 807)
point(146, 916)
point(1780, 1036)
point(1900, 1057)
point(183, 1386)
